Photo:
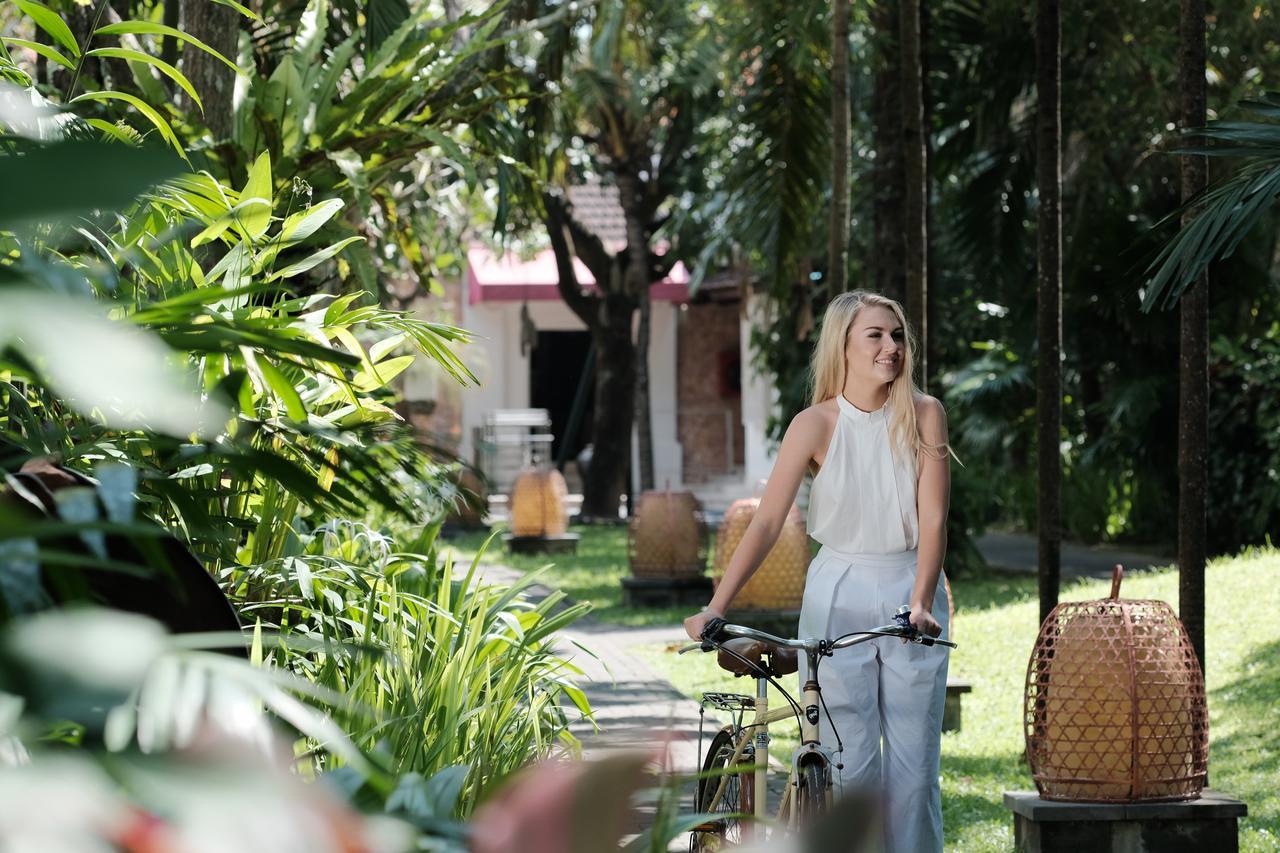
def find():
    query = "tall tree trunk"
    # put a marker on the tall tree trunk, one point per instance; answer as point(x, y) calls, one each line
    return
point(219, 27)
point(169, 46)
point(637, 284)
point(614, 408)
point(1193, 354)
point(1049, 299)
point(838, 241)
point(917, 194)
point(644, 417)
point(888, 274)
point(607, 316)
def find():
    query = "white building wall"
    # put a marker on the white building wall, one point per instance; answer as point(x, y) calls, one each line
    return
point(668, 455)
point(503, 371)
point(759, 399)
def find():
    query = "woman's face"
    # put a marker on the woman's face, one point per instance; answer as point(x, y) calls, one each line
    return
point(875, 347)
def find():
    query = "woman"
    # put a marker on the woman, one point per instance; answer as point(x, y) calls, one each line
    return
point(878, 506)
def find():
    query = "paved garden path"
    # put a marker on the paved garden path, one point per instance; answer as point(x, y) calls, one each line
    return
point(633, 704)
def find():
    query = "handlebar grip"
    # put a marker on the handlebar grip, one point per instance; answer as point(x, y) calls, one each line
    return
point(713, 629)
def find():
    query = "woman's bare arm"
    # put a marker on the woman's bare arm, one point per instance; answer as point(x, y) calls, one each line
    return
point(933, 496)
point(803, 439)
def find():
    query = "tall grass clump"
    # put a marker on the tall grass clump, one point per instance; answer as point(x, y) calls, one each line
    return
point(436, 666)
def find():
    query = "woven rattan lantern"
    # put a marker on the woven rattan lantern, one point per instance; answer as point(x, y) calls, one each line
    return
point(779, 582)
point(665, 538)
point(538, 504)
point(1115, 705)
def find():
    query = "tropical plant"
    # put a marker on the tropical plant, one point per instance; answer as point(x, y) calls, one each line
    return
point(454, 669)
point(275, 419)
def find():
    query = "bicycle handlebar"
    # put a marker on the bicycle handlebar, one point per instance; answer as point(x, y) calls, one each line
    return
point(901, 627)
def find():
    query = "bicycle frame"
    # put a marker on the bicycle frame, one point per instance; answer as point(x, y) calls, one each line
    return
point(810, 742)
point(810, 733)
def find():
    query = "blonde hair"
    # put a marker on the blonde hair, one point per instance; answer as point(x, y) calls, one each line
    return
point(828, 370)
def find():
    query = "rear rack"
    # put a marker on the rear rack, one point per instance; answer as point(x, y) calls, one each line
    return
point(728, 701)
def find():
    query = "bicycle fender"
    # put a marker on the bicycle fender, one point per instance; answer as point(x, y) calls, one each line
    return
point(808, 753)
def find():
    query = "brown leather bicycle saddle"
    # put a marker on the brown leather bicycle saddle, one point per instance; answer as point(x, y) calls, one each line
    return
point(781, 661)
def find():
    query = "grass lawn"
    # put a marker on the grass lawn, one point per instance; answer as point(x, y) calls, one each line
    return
point(996, 625)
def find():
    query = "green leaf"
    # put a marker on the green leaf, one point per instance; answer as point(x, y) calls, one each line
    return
point(313, 260)
point(248, 13)
point(381, 348)
point(155, 62)
point(47, 51)
point(148, 28)
point(141, 106)
point(73, 178)
point(284, 389)
point(382, 18)
point(301, 225)
point(49, 21)
point(254, 224)
point(382, 374)
point(127, 135)
point(222, 223)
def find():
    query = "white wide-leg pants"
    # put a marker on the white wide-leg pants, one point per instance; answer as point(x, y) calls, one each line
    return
point(885, 697)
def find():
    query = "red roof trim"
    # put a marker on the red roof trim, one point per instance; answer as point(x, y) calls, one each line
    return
point(508, 279)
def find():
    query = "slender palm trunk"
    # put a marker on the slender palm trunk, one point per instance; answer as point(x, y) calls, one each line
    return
point(888, 263)
point(1049, 299)
point(1193, 354)
point(917, 195)
point(644, 419)
point(838, 242)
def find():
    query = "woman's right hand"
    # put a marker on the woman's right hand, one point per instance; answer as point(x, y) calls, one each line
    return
point(695, 624)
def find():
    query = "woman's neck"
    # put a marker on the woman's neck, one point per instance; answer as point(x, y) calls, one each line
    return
point(868, 398)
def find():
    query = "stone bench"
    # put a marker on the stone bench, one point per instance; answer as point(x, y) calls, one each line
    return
point(564, 543)
point(951, 707)
point(692, 592)
point(1190, 826)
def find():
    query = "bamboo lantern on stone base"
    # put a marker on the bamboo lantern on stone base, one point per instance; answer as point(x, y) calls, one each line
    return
point(1115, 704)
point(538, 504)
point(779, 582)
point(666, 538)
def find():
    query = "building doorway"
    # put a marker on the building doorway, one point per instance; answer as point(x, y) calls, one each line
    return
point(556, 368)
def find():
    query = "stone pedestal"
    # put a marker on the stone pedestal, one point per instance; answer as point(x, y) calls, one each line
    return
point(780, 623)
point(666, 592)
point(1190, 826)
point(951, 709)
point(565, 543)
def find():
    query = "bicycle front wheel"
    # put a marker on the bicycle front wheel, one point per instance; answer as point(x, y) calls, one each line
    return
point(729, 802)
point(811, 792)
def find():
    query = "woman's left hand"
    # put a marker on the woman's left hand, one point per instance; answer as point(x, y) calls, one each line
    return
point(924, 622)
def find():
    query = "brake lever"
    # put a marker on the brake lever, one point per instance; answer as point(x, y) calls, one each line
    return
point(697, 647)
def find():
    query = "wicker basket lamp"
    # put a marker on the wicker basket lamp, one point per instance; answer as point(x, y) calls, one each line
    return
point(538, 504)
point(779, 582)
point(666, 538)
point(1115, 704)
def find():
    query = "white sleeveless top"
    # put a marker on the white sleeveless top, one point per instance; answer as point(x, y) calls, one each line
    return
point(863, 500)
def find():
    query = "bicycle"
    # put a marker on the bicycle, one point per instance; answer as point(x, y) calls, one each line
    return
point(736, 764)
